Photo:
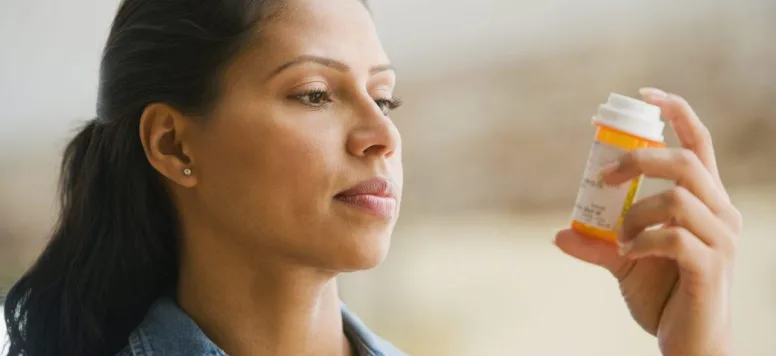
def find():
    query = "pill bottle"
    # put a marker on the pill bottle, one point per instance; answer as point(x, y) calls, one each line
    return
point(623, 124)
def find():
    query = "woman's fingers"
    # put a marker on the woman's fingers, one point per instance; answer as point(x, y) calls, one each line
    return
point(683, 209)
point(595, 251)
point(702, 220)
point(679, 165)
point(689, 129)
point(676, 243)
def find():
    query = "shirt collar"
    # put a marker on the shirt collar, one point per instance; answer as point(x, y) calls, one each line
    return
point(168, 331)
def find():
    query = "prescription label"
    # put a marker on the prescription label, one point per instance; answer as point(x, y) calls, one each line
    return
point(597, 204)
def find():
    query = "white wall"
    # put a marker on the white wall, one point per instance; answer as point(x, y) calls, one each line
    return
point(49, 55)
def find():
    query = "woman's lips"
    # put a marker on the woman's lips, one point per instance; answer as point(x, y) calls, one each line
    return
point(374, 196)
point(383, 207)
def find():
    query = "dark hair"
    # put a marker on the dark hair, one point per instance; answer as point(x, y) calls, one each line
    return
point(114, 249)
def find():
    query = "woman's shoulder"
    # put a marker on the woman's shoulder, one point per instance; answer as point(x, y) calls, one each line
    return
point(366, 342)
point(125, 352)
point(168, 331)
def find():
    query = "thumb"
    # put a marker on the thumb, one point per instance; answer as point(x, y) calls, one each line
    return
point(595, 251)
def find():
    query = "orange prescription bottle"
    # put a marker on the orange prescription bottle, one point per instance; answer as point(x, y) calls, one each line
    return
point(623, 124)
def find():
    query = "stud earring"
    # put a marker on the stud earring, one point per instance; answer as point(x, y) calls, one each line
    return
point(187, 172)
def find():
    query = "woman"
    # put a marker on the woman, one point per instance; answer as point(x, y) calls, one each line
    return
point(242, 157)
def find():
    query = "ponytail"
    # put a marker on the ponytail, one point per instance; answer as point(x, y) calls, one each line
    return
point(113, 252)
point(114, 249)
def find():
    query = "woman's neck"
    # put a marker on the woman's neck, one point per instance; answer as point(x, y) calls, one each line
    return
point(262, 308)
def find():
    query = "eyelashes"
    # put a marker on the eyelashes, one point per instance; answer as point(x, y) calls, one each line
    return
point(320, 98)
point(314, 98)
point(388, 105)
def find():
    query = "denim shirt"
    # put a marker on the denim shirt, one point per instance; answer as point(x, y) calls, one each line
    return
point(168, 331)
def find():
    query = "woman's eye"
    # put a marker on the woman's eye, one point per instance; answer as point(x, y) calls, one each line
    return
point(315, 98)
point(386, 105)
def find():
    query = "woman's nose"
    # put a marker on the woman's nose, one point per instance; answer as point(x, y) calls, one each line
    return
point(375, 134)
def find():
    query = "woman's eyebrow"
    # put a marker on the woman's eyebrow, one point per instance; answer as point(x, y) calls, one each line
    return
point(328, 62)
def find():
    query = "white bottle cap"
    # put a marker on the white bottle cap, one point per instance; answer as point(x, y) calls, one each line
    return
point(631, 116)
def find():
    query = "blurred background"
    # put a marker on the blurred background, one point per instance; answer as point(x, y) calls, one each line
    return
point(496, 128)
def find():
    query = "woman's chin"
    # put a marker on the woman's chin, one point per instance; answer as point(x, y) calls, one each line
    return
point(365, 257)
point(359, 254)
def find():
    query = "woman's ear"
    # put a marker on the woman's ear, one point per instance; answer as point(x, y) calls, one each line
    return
point(163, 133)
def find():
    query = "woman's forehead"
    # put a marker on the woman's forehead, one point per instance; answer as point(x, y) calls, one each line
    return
point(339, 29)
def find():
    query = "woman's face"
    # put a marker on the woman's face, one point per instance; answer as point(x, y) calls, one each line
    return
point(300, 160)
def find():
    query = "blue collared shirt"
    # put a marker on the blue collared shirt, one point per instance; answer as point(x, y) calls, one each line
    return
point(168, 331)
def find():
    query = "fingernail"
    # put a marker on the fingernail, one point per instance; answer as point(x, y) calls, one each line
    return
point(653, 93)
point(625, 247)
point(609, 168)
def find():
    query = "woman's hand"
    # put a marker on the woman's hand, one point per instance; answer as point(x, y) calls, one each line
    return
point(676, 279)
